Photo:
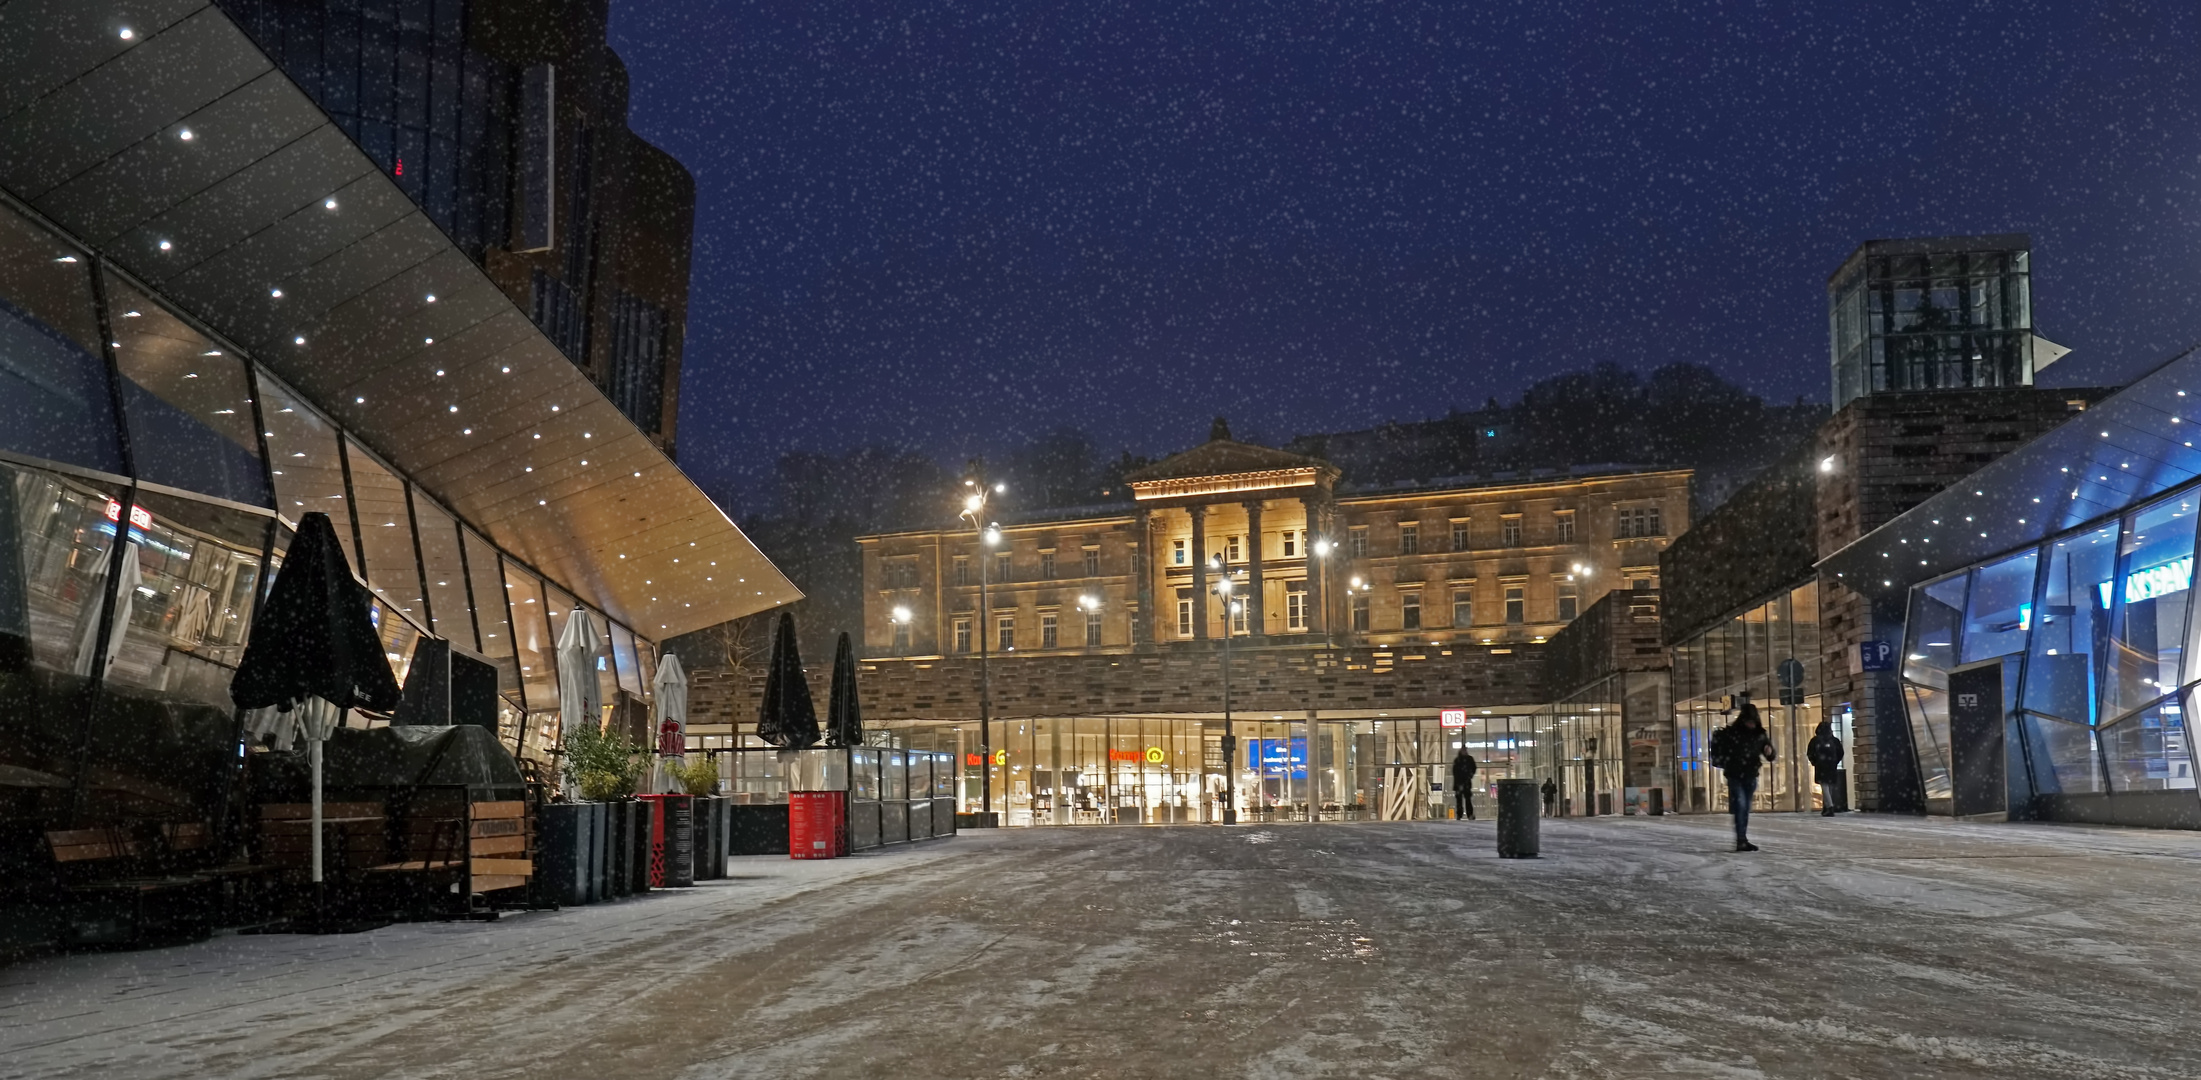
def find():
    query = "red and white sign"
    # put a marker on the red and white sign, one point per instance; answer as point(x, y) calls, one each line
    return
point(1452, 717)
point(140, 517)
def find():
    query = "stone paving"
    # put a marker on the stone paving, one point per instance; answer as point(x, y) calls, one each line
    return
point(1858, 946)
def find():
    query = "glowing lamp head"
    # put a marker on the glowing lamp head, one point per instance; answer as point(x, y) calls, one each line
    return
point(901, 615)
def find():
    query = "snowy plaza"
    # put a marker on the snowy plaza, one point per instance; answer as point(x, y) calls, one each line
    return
point(1857, 946)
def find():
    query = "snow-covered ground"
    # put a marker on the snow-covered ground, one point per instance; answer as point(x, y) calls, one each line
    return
point(1856, 946)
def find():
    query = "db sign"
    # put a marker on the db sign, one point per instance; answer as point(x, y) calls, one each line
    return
point(1452, 717)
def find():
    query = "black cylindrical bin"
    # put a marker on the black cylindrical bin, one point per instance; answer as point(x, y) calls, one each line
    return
point(1518, 804)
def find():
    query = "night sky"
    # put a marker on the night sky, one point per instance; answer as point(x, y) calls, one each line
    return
point(953, 226)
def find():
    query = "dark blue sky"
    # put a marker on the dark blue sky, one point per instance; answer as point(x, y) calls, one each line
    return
point(950, 226)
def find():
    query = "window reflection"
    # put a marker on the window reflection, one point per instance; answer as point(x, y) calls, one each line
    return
point(187, 615)
point(54, 542)
point(52, 375)
point(2150, 605)
point(446, 581)
point(2073, 621)
point(188, 403)
point(303, 458)
point(2000, 608)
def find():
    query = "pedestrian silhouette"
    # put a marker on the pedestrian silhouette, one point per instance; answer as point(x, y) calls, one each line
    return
point(1551, 797)
point(1463, 784)
point(1739, 750)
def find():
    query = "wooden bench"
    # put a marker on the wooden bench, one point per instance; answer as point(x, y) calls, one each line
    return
point(353, 836)
point(122, 887)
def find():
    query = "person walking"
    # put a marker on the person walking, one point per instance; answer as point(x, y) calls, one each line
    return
point(1739, 750)
point(1463, 784)
point(1551, 797)
point(1824, 752)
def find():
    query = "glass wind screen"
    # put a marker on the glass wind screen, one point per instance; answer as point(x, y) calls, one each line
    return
point(446, 581)
point(2147, 751)
point(302, 457)
point(2149, 617)
point(2000, 608)
point(607, 676)
point(188, 403)
point(2071, 626)
point(55, 535)
point(386, 535)
point(2063, 756)
point(52, 374)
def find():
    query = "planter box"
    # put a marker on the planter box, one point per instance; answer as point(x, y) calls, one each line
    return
point(757, 829)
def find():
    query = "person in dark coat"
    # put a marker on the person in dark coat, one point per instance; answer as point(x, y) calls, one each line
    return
point(1463, 784)
point(1551, 797)
point(1824, 752)
point(1739, 750)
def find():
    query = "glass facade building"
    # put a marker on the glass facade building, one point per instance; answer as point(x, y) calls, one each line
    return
point(1744, 653)
point(2089, 632)
point(151, 476)
point(1932, 314)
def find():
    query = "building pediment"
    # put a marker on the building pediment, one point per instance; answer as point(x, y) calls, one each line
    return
point(1223, 466)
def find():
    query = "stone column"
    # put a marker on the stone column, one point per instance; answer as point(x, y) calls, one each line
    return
point(1142, 577)
point(1318, 568)
point(1199, 571)
point(1256, 603)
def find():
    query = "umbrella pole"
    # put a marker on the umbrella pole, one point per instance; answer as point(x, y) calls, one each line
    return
point(314, 752)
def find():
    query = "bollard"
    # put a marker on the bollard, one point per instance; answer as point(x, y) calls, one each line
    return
point(1519, 802)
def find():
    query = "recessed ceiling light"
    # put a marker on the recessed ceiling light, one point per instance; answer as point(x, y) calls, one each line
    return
point(531, 468)
point(186, 135)
point(466, 431)
point(131, 315)
point(439, 373)
point(298, 341)
point(507, 370)
point(584, 461)
point(276, 293)
point(586, 435)
point(542, 502)
point(126, 33)
point(427, 341)
point(211, 352)
point(431, 298)
point(66, 258)
point(553, 408)
point(359, 401)
point(165, 245)
point(454, 408)
point(329, 203)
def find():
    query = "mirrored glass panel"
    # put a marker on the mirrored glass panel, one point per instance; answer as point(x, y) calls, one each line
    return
point(55, 537)
point(452, 616)
point(2000, 608)
point(2153, 585)
point(622, 650)
point(385, 534)
point(194, 581)
point(2147, 751)
point(303, 458)
point(1928, 709)
point(2063, 756)
point(1937, 615)
point(2071, 622)
point(188, 402)
point(533, 644)
point(52, 374)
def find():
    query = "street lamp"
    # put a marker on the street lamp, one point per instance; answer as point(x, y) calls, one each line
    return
point(900, 617)
point(989, 535)
point(1322, 549)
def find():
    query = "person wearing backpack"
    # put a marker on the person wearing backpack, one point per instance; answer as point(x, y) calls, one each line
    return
point(1739, 750)
point(1825, 755)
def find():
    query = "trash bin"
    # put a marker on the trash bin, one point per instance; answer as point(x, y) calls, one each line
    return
point(1519, 802)
point(1658, 802)
point(811, 824)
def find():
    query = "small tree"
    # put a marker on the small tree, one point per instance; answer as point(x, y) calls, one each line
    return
point(604, 764)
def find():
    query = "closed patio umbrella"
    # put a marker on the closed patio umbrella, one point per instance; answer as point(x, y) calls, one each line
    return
point(844, 718)
point(670, 691)
point(314, 652)
point(786, 718)
point(580, 696)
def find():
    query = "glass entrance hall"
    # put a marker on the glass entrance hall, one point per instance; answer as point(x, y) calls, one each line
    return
point(1158, 770)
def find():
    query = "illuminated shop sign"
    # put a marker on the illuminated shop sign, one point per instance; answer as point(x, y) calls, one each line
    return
point(1452, 717)
point(2154, 581)
point(140, 517)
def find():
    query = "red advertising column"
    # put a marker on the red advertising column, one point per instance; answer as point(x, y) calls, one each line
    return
point(811, 824)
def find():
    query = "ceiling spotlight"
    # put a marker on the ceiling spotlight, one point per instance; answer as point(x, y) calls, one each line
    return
point(431, 298)
point(359, 401)
point(439, 373)
point(298, 341)
point(185, 135)
point(165, 245)
point(466, 431)
point(329, 203)
point(126, 33)
point(507, 369)
point(427, 341)
point(276, 293)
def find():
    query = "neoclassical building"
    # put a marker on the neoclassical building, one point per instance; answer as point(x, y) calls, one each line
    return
point(1311, 561)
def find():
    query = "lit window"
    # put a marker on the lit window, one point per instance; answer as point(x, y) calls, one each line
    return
point(1291, 544)
point(1180, 553)
point(1295, 605)
point(1005, 633)
point(1184, 616)
point(1231, 551)
point(1050, 633)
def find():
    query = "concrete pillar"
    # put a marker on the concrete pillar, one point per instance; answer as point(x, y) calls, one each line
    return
point(1256, 604)
point(1318, 583)
point(1199, 571)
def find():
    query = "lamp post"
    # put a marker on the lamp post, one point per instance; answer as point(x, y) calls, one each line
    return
point(989, 534)
point(1224, 588)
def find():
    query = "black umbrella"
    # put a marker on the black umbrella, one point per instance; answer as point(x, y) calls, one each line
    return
point(786, 719)
point(844, 718)
point(313, 651)
point(314, 637)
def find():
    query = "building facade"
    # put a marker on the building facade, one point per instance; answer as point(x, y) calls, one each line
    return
point(505, 121)
point(1492, 564)
point(219, 313)
point(1946, 313)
